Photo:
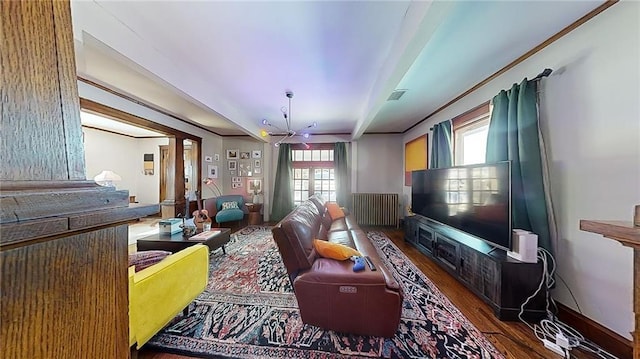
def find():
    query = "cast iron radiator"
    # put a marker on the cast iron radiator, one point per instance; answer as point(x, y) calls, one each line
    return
point(375, 209)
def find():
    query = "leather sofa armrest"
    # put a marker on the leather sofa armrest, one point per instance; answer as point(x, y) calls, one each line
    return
point(331, 271)
point(331, 295)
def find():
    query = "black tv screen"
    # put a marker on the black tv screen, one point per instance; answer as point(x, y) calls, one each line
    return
point(475, 199)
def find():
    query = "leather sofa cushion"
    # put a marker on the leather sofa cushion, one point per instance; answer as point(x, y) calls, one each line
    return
point(343, 224)
point(341, 237)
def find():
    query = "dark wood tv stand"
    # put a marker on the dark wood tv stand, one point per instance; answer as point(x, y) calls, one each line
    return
point(502, 282)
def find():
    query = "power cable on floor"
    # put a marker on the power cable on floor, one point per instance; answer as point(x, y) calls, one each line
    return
point(556, 335)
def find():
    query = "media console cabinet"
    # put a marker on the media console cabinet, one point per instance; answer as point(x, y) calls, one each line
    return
point(501, 281)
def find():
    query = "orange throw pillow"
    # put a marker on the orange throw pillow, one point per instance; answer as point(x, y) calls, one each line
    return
point(334, 250)
point(334, 210)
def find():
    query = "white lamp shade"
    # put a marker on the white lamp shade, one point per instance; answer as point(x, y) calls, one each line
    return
point(107, 177)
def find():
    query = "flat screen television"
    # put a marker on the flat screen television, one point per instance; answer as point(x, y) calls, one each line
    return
point(475, 199)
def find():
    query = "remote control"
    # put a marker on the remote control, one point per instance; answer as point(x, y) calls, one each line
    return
point(370, 263)
point(359, 265)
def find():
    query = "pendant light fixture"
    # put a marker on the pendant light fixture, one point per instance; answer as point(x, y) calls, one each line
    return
point(288, 132)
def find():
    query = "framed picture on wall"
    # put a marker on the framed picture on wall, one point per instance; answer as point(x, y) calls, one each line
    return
point(258, 171)
point(244, 155)
point(254, 186)
point(257, 163)
point(216, 157)
point(212, 171)
point(256, 154)
point(208, 159)
point(232, 154)
point(232, 165)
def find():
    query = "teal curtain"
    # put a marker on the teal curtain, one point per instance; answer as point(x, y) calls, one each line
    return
point(441, 148)
point(514, 136)
point(341, 169)
point(282, 193)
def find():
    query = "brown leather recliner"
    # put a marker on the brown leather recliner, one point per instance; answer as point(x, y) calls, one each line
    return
point(330, 294)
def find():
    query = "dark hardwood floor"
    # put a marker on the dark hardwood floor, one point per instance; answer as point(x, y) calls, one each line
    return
point(514, 339)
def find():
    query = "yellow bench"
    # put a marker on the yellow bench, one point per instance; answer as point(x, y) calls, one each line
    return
point(159, 292)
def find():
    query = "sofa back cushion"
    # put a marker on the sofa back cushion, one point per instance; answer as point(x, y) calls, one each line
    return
point(319, 202)
point(294, 236)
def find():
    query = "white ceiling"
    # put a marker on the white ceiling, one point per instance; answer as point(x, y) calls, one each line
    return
point(225, 65)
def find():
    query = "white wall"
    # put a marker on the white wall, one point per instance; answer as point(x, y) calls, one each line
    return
point(109, 151)
point(124, 155)
point(380, 160)
point(211, 143)
point(590, 118)
point(148, 190)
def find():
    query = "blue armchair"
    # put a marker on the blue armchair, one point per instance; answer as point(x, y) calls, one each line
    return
point(228, 208)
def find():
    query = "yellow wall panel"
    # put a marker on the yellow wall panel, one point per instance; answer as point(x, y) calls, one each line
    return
point(415, 157)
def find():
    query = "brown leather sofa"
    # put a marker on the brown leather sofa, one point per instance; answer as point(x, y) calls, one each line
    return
point(330, 294)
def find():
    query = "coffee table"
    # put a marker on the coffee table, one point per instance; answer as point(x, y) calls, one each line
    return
point(177, 242)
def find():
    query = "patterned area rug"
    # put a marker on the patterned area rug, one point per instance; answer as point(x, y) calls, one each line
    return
point(249, 311)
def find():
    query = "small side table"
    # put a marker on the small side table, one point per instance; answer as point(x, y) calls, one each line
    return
point(255, 217)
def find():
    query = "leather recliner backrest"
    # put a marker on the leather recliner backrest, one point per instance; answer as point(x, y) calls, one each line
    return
point(294, 236)
point(319, 202)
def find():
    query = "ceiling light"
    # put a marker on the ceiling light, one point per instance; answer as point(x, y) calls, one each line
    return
point(288, 132)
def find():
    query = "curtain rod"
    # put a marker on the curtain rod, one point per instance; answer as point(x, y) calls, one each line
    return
point(545, 73)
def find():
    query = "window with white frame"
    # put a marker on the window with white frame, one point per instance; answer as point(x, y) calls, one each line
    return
point(313, 173)
point(470, 136)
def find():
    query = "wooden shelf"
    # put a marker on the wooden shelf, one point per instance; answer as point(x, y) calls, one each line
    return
point(622, 231)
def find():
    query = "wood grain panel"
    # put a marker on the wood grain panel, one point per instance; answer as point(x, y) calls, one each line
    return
point(33, 145)
point(63, 292)
point(20, 233)
point(29, 206)
point(15, 233)
point(69, 99)
point(84, 220)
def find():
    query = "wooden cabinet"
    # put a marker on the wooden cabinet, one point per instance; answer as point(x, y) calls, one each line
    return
point(500, 281)
point(410, 229)
point(63, 248)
